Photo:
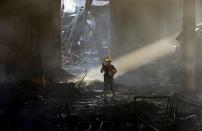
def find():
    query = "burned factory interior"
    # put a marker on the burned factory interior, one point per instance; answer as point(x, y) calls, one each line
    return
point(100, 65)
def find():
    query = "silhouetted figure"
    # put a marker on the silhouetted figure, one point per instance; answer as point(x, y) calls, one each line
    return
point(109, 71)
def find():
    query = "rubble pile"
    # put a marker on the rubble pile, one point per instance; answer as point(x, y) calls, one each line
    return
point(62, 107)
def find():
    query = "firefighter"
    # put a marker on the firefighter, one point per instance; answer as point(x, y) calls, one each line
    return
point(109, 71)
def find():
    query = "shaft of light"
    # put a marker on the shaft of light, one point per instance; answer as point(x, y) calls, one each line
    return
point(136, 58)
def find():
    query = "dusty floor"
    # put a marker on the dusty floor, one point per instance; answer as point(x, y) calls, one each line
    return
point(62, 107)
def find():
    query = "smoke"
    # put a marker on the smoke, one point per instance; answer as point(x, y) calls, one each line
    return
point(137, 58)
point(69, 6)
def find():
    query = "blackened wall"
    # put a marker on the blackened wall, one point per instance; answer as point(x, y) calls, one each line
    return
point(29, 39)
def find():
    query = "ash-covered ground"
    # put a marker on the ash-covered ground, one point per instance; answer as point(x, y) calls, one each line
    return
point(62, 107)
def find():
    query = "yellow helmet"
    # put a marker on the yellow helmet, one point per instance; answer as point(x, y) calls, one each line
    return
point(107, 59)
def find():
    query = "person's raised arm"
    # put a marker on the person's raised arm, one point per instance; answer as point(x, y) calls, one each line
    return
point(114, 70)
point(102, 69)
